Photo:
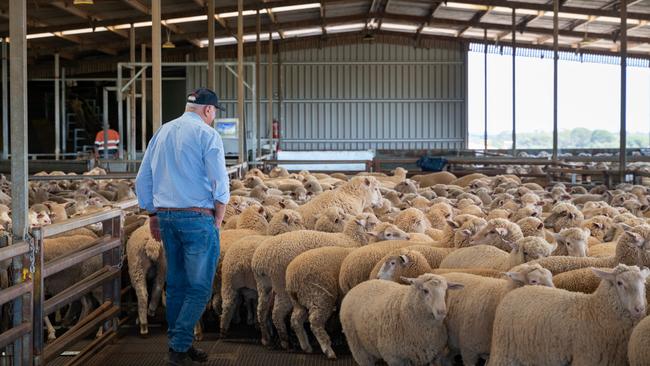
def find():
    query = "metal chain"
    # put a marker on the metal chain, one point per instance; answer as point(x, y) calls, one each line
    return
point(33, 250)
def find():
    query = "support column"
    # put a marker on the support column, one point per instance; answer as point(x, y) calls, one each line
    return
point(485, 92)
point(18, 90)
point(211, 80)
point(258, 110)
point(623, 133)
point(132, 107)
point(105, 121)
point(120, 117)
point(556, 29)
point(240, 82)
point(57, 108)
point(143, 100)
point(269, 91)
point(64, 118)
point(514, 87)
point(156, 59)
point(5, 103)
point(280, 95)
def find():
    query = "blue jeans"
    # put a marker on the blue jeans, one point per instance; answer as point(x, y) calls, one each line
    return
point(191, 244)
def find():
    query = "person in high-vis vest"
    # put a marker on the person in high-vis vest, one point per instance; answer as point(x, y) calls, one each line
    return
point(112, 143)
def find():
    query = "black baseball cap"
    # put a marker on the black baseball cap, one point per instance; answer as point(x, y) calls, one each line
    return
point(204, 96)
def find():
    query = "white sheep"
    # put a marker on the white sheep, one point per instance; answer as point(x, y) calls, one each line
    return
point(498, 233)
point(412, 220)
point(274, 255)
point(469, 322)
point(358, 266)
point(627, 252)
point(590, 329)
point(312, 284)
point(638, 352)
point(399, 324)
point(143, 253)
point(572, 242)
point(352, 197)
point(236, 272)
point(487, 256)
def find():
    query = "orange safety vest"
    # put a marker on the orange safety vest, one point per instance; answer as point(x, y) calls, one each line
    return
point(113, 139)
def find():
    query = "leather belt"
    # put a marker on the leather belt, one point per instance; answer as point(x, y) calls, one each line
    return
point(206, 211)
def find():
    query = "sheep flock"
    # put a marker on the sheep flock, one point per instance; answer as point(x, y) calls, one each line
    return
point(429, 269)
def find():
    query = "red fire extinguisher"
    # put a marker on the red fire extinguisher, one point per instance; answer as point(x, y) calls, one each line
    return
point(276, 129)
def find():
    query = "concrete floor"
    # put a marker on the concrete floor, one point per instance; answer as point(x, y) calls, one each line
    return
point(242, 348)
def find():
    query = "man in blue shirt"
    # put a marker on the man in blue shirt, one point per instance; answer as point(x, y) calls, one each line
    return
point(183, 184)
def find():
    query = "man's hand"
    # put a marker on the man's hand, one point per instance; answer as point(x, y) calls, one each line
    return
point(154, 227)
point(219, 213)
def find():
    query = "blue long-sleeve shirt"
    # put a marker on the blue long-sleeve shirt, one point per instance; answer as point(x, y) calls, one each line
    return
point(184, 166)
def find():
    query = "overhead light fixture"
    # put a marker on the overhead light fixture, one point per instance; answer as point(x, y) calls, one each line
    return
point(168, 43)
point(368, 37)
point(83, 2)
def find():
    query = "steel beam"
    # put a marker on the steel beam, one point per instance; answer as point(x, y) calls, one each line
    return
point(57, 108)
point(514, 84)
point(19, 142)
point(105, 126)
point(156, 59)
point(623, 133)
point(485, 91)
point(143, 101)
point(64, 118)
point(132, 121)
point(258, 107)
point(120, 115)
point(211, 80)
point(269, 92)
point(5, 102)
point(556, 28)
point(240, 82)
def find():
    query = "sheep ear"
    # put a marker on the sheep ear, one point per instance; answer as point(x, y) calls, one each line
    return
point(540, 226)
point(366, 181)
point(598, 225)
point(501, 231)
point(645, 272)
point(374, 234)
point(571, 215)
point(637, 239)
point(517, 277)
point(586, 231)
point(455, 286)
point(513, 245)
point(624, 226)
point(285, 218)
point(404, 259)
point(260, 210)
point(453, 224)
point(410, 281)
point(282, 204)
point(604, 274)
point(466, 232)
point(553, 247)
point(360, 222)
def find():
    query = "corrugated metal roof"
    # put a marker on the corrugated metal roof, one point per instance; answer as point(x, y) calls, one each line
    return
point(595, 22)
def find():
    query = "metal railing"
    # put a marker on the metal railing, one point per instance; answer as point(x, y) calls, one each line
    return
point(18, 338)
point(109, 246)
point(273, 162)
